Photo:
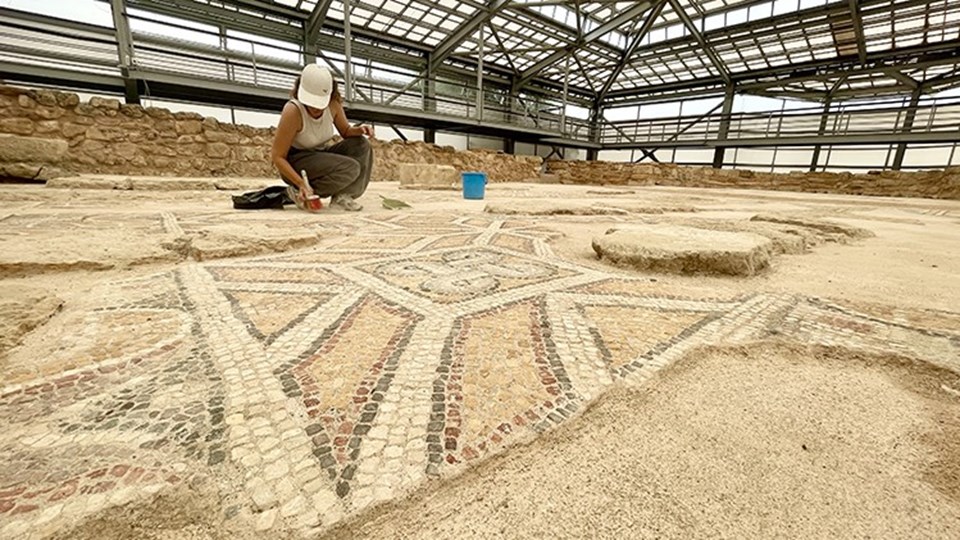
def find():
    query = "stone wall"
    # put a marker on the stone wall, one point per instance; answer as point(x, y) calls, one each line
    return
point(105, 136)
point(940, 184)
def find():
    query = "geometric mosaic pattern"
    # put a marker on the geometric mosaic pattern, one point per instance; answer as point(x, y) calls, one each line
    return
point(338, 377)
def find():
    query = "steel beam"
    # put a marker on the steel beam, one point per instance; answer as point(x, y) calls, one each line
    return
point(805, 140)
point(944, 52)
point(707, 49)
point(314, 23)
point(858, 29)
point(724, 126)
point(627, 54)
point(907, 81)
point(907, 127)
point(595, 34)
point(446, 47)
point(196, 11)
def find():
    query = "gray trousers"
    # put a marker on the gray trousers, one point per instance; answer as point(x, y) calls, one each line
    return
point(341, 169)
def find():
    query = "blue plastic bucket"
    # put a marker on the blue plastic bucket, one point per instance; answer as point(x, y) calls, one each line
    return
point(474, 184)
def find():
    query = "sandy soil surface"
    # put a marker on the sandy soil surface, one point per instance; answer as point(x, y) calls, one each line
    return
point(766, 441)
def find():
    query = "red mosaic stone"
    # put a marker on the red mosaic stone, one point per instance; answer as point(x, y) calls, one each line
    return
point(37, 493)
point(23, 509)
point(13, 492)
point(65, 490)
point(134, 475)
point(6, 505)
point(119, 470)
point(470, 453)
point(102, 487)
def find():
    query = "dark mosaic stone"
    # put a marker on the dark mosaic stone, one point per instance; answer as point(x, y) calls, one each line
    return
point(327, 461)
point(313, 429)
point(368, 417)
point(342, 489)
point(348, 472)
point(361, 429)
point(216, 457)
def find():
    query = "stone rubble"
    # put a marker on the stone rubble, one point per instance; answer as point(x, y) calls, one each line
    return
point(936, 184)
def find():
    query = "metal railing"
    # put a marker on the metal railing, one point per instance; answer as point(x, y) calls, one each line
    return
point(70, 47)
point(874, 118)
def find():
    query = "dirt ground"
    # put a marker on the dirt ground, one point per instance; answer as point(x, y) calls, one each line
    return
point(765, 441)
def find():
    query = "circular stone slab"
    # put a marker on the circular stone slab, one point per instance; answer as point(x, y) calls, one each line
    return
point(685, 250)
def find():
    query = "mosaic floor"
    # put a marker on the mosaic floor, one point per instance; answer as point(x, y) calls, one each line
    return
point(315, 384)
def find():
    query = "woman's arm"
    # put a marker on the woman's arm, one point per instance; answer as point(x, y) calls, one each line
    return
point(290, 124)
point(344, 127)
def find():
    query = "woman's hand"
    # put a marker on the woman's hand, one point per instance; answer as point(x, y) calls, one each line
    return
point(366, 130)
point(306, 191)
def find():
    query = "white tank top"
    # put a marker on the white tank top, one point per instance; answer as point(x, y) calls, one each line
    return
point(315, 131)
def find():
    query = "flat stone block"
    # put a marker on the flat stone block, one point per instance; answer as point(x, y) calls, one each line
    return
point(91, 182)
point(17, 149)
point(685, 250)
point(427, 176)
point(172, 184)
point(828, 227)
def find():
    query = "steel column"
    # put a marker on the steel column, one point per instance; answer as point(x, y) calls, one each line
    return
point(820, 131)
point(348, 67)
point(125, 51)
point(907, 127)
point(563, 111)
point(724, 126)
point(480, 77)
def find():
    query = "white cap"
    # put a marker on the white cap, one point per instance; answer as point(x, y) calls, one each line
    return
point(316, 87)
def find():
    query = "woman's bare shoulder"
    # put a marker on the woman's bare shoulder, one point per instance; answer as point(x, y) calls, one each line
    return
point(290, 109)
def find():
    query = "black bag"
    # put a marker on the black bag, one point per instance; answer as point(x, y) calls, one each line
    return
point(271, 197)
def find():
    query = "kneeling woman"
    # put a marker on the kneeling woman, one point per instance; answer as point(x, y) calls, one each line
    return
point(340, 171)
